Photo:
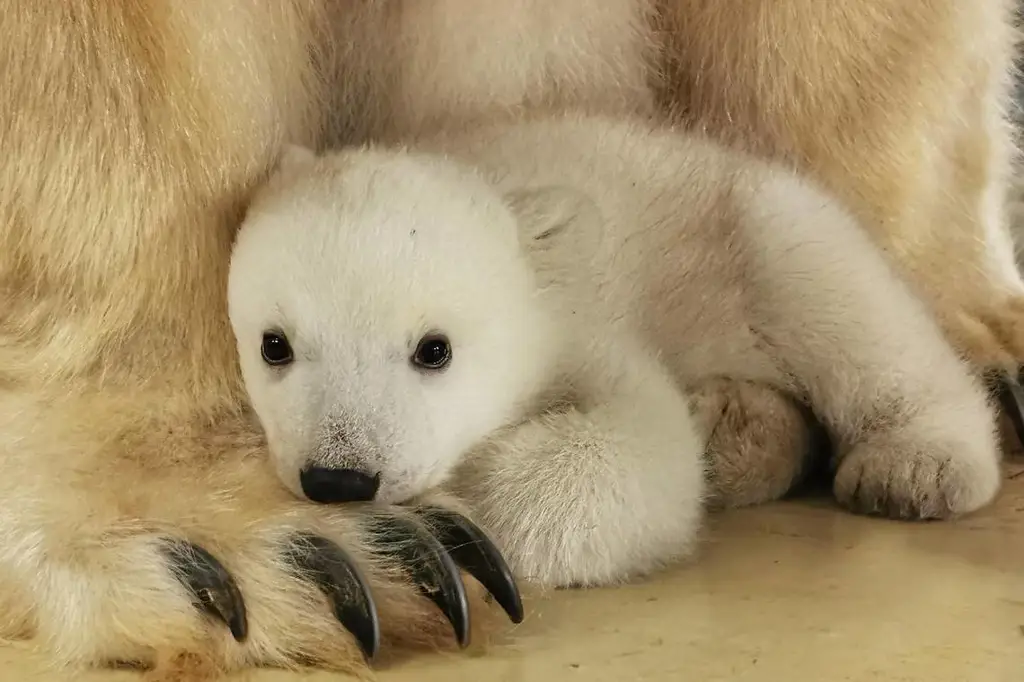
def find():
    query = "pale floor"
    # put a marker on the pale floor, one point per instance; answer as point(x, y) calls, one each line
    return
point(797, 591)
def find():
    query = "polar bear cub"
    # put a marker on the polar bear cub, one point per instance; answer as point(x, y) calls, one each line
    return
point(516, 311)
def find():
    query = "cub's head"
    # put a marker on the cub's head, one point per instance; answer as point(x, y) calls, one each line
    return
point(386, 320)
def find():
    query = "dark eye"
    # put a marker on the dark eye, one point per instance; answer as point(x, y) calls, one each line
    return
point(433, 352)
point(275, 349)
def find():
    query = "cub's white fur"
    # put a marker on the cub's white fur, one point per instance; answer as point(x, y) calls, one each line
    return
point(587, 272)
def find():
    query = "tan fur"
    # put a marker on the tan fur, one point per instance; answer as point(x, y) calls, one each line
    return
point(897, 107)
point(131, 146)
point(900, 108)
point(759, 441)
point(132, 131)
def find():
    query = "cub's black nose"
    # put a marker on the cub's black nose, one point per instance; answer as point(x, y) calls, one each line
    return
point(330, 486)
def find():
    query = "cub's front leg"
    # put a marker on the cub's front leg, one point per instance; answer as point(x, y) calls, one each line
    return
point(601, 489)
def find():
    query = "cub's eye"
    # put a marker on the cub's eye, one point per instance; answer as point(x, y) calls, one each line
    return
point(433, 352)
point(275, 349)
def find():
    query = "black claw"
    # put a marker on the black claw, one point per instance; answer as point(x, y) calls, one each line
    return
point(429, 565)
point(1011, 395)
point(474, 551)
point(336, 574)
point(213, 588)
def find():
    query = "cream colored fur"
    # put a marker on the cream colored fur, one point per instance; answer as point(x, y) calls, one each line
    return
point(609, 268)
point(133, 131)
point(913, 132)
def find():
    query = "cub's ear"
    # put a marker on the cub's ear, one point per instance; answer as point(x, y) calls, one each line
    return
point(550, 213)
point(294, 157)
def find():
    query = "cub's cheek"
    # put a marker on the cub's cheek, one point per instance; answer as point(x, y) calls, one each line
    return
point(286, 459)
point(405, 486)
point(288, 474)
point(392, 496)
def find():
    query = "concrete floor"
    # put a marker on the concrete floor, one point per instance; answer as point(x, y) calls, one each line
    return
point(797, 591)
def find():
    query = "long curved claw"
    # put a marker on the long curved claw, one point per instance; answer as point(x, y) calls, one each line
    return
point(431, 568)
point(476, 553)
point(334, 572)
point(214, 590)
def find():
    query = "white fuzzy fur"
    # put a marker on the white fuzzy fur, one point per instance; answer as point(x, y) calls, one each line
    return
point(588, 272)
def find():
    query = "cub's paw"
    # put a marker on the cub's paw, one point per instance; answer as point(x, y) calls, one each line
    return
point(917, 478)
point(428, 547)
point(760, 443)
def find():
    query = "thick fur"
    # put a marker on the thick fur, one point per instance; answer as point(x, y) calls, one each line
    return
point(899, 108)
point(608, 268)
point(133, 131)
point(131, 148)
point(913, 133)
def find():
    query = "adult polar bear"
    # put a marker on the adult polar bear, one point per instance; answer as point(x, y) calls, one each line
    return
point(133, 131)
